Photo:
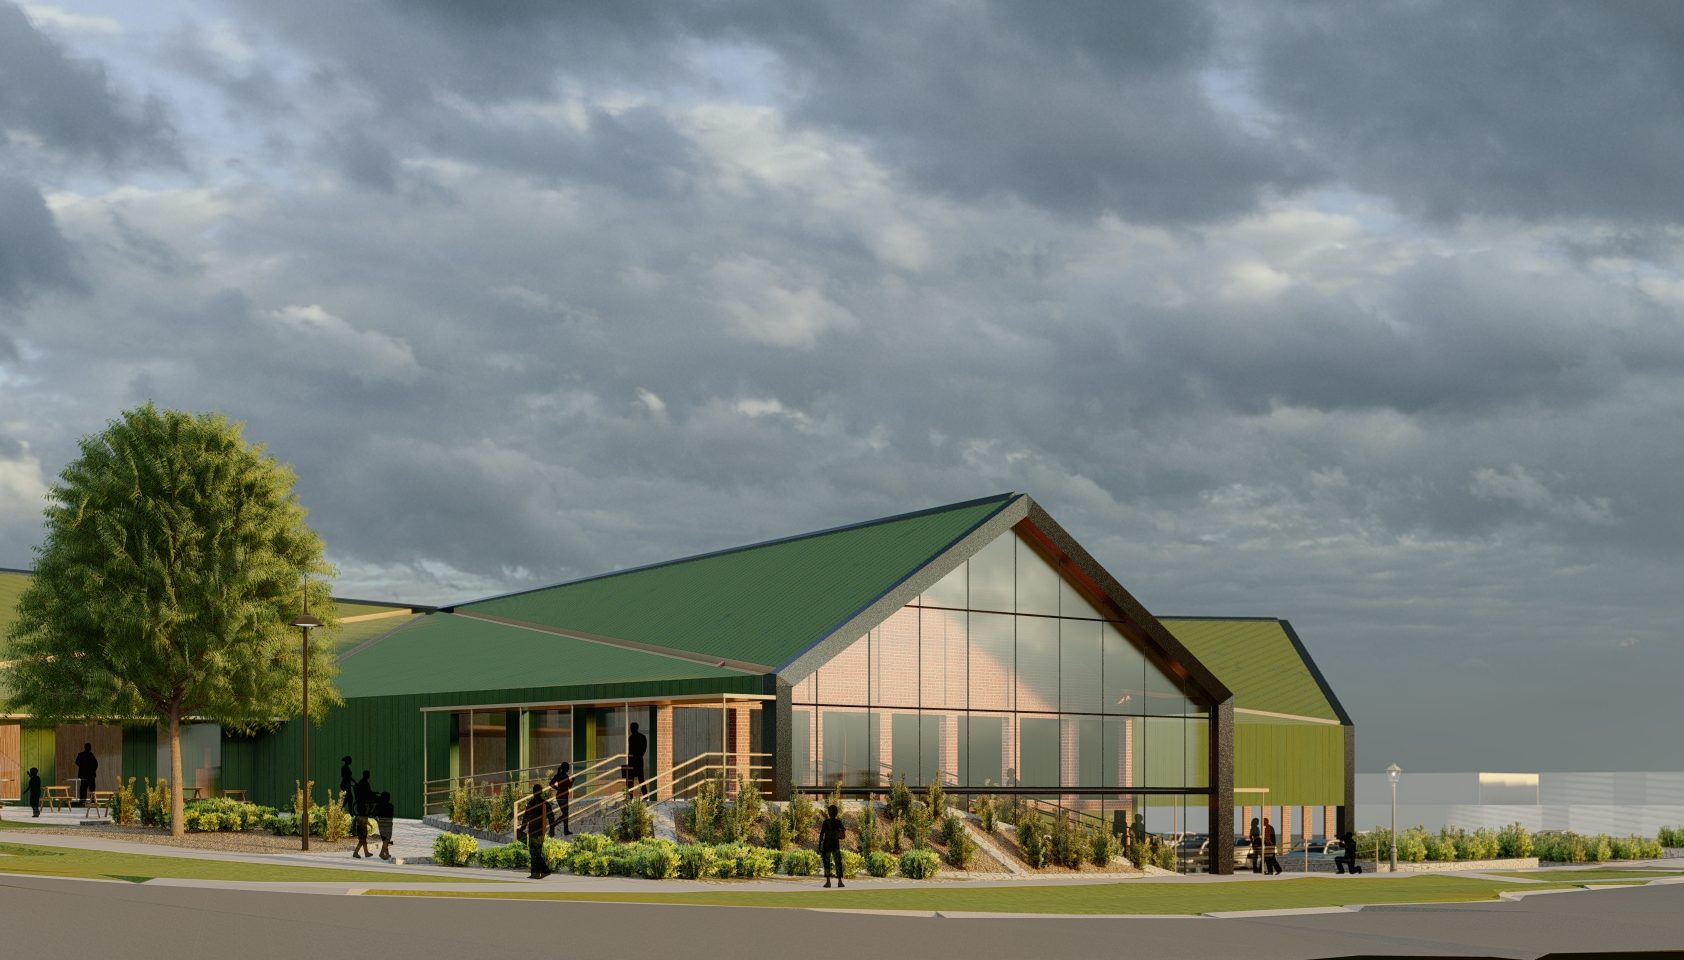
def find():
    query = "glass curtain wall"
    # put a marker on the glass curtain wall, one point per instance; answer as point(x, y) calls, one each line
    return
point(1005, 674)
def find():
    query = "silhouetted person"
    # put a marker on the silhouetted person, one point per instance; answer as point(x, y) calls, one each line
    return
point(362, 807)
point(535, 826)
point(636, 746)
point(383, 815)
point(1139, 828)
point(32, 790)
point(1347, 853)
point(346, 781)
point(562, 785)
point(1273, 865)
point(832, 831)
point(87, 767)
point(1255, 838)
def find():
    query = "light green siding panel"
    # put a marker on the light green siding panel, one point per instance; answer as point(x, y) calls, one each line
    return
point(1257, 661)
point(1300, 763)
point(36, 746)
point(760, 604)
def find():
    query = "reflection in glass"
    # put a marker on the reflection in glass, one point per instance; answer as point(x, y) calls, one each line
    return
point(894, 660)
point(1166, 751)
point(992, 652)
point(949, 591)
point(801, 752)
point(903, 746)
point(1125, 674)
point(1039, 761)
point(1037, 664)
point(549, 737)
point(985, 759)
point(846, 748)
point(992, 576)
point(1081, 668)
point(1037, 582)
point(942, 659)
point(1084, 752)
point(1198, 753)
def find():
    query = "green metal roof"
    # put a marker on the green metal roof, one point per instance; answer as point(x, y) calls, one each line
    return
point(366, 621)
point(1260, 661)
point(443, 653)
point(761, 604)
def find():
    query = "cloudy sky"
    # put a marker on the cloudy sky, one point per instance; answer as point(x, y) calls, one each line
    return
point(1363, 315)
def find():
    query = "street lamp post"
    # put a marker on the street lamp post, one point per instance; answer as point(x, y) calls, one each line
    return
point(1392, 775)
point(305, 622)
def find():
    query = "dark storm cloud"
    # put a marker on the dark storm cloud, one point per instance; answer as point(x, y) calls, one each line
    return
point(69, 104)
point(33, 253)
point(1516, 108)
point(1100, 110)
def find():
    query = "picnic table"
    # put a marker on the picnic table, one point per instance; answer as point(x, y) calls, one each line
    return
point(53, 793)
point(235, 793)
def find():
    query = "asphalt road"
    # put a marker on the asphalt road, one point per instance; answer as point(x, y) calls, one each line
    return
point(40, 917)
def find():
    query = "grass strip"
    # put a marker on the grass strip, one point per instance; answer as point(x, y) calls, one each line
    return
point(1588, 876)
point(1134, 897)
point(139, 867)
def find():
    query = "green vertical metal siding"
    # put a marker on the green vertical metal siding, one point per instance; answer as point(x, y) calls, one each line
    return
point(1300, 763)
point(140, 752)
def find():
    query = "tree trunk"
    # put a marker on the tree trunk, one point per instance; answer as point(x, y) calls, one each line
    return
point(177, 806)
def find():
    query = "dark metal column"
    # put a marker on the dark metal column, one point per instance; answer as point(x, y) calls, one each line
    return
point(777, 735)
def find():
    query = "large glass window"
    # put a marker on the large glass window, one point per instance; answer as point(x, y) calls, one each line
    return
point(1003, 672)
point(549, 737)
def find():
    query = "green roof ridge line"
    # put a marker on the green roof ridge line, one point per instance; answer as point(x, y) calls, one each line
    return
point(1004, 498)
point(414, 617)
point(1005, 502)
point(1315, 671)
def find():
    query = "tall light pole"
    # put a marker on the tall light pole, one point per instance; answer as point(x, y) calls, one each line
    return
point(1392, 775)
point(305, 623)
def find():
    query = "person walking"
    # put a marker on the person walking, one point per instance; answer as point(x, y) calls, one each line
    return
point(832, 831)
point(383, 813)
point(636, 746)
point(1273, 865)
point(561, 785)
point(32, 790)
point(1255, 838)
point(346, 781)
point(534, 827)
point(362, 807)
point(87, 768)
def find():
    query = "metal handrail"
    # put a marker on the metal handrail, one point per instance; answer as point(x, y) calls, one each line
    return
point(586, 770)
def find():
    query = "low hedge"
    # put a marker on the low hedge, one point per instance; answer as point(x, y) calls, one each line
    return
point(594, 855)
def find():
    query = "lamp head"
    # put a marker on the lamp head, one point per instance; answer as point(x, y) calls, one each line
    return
point(308, 621)
point(1392, 772)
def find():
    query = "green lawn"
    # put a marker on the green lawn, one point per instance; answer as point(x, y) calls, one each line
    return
point(1589, 876)
point(140, 867)
point(12, 824)
point(1133, 897)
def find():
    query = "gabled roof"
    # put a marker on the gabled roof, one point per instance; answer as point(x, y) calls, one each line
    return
point(442, 653)
point(752, 607)
point(1263, 662)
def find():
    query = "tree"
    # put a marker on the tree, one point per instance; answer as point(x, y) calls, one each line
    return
point(175, 557)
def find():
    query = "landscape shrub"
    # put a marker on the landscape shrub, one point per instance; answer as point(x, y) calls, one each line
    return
point(1103, 847)
point(919, 864)
point(1032, 841)
point(1598, 849)
point(1439, 847)
point(154, 803)
point(454, 849)
point(1140, 853)
point(123, 807)
point(696, 861)
point(705, 809)
point(777, 832)
point(592, 842)
point(881, 864)
point(652, 859)
point(499, 817)
point(936, 799)
point(800, 863)
point(336, 823)
point(852, 864)
point(556, 851)
point(918, 824)
point(223, 814)
point(1514, 840)
point(986, 816)
point(745, 861)
point(1671, 837)
point(865, 830)
point(801, 815)
point(509, 856)
point(459, 794)
point(900, 800)
point(1068, 848)
point(747, 811)
point(479, 810)
point(1163, 856)
point(635, 821)
point(961, 849)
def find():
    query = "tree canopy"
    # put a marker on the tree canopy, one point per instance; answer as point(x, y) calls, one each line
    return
point(176, 555)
